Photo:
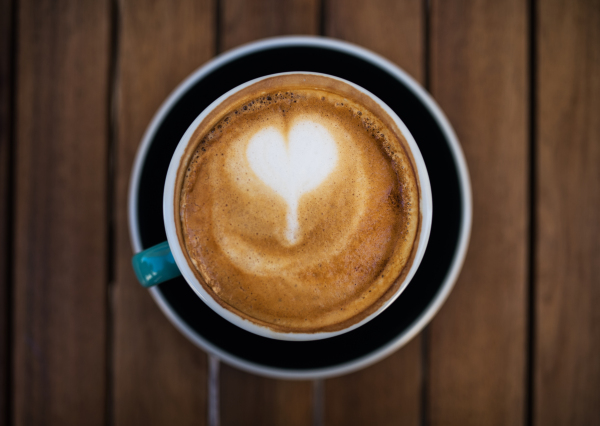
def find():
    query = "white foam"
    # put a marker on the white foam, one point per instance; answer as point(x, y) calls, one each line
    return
point(291, 169)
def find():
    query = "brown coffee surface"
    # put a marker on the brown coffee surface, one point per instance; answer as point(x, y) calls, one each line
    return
point(299, 205)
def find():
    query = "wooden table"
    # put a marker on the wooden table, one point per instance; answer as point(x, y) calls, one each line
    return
point(517, 342)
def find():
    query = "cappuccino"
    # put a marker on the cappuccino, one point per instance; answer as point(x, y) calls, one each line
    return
point(298, 204)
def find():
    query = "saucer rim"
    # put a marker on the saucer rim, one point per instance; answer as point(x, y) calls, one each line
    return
point(464, 184)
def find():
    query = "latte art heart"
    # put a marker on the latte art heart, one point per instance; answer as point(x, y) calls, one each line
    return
point(294, 166)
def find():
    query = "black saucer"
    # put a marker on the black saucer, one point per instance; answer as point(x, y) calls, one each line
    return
point(283, 358)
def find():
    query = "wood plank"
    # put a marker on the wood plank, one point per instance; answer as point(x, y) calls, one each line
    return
point(567, 261)
point(394, 29)
point(61, 221)
point(251, 400)
point(159, 376)
point(6, 120)
point(389, 392)
point(479, 77)
point(246, 398)
point(243, 21)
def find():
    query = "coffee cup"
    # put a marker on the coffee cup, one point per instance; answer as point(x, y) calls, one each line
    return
point(332, 182)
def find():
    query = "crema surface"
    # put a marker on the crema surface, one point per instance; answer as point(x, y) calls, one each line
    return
point(298, 208)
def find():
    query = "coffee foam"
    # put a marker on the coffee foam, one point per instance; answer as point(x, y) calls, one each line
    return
point(299, 208)
point(292, 164)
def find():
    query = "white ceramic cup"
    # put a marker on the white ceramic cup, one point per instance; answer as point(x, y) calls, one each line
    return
point(176, 245)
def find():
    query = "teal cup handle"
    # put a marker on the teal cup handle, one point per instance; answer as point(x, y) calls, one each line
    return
point(155, 265)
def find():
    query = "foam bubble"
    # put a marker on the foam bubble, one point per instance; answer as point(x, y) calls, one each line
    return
point(293, 164)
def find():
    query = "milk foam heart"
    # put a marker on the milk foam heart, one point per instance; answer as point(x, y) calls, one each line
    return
point(293, 164)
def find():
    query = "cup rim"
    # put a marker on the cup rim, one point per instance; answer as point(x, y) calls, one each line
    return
point(169, 214)
point(462, 241)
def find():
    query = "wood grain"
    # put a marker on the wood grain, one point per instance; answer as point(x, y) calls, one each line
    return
point(394, 29)
point(479, 77)
point(243, 21)
point(6, 117)
point(246, 398)
point(61, 221)
point(567, 261)
point(388, 392)
point(249, 400)
point(159, 376)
